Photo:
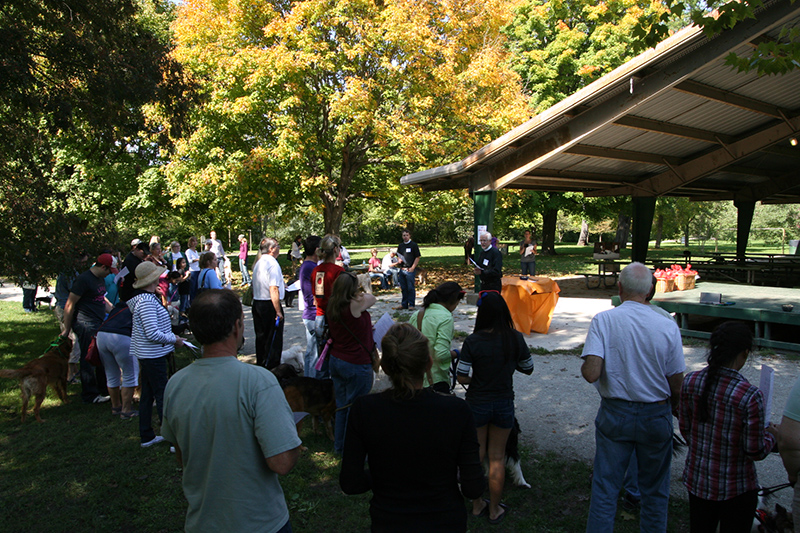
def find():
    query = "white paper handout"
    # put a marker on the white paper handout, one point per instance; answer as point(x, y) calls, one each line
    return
point(381, 327)
point(471, 260)
point(767, 378)
point(121, 274)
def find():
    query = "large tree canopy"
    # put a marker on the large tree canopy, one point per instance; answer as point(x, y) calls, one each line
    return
point(74, 75)
point(560, 46)
point(313, 103)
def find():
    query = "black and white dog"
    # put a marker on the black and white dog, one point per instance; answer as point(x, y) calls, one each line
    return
point(513, 466)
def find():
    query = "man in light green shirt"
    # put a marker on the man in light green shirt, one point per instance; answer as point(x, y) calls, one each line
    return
point(232, 428)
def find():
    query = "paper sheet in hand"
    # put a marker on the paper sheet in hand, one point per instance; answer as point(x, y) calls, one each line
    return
point(381, 327)
point(471, 260)
point(121, 274)
point(294, 286)
point(767, 378)
point(191, 346)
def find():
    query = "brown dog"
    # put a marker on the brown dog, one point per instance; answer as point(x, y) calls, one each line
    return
point(34, 377)
point(315, 397)
point(308, 395)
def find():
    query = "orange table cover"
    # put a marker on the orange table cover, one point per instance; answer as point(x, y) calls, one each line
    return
point(531, 302)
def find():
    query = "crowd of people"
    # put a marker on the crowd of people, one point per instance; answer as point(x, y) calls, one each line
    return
point(416, 446)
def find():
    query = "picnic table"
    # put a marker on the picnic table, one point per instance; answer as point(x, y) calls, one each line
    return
point(531, 302)
point(606, 269)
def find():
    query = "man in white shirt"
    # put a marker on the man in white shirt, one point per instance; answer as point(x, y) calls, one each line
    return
point(268, 292)
point(219, 251)
point(389, 267)
point(634, 357)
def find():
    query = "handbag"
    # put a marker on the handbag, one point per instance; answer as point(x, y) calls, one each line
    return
point(247, 297)
point(323, 355)
point(93, 354)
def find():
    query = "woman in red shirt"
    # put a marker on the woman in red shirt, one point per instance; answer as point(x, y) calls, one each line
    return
point(322, 279)
point(350, 356)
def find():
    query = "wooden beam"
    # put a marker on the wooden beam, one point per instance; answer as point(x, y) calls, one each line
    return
point(623, 155)
point(709, 162)
point(667, 128)
point(728, 98)
point(769, 188)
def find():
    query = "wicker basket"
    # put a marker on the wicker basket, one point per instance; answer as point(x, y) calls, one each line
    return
point(684, 282)
point(665, 285)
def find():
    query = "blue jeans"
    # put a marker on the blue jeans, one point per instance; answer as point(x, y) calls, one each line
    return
point(349, 382)
point(620, 428)
point(310, 357)
point(85, 330)
point(528, 269)
point(391, 276)
point(245, 273)
point(376, 275)
point(406, 282)
point(631, 481)
point(153, 379)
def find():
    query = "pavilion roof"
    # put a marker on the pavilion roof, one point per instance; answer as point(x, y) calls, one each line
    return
point(675, 120)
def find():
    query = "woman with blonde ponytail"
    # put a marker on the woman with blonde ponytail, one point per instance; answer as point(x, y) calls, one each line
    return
point(419, 444)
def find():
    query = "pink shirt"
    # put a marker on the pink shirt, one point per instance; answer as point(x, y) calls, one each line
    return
point(243, 250)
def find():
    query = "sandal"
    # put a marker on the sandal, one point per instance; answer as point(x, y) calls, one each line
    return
point(495, 521)
point(128, 415)
point(484, 511)
point(116, 411)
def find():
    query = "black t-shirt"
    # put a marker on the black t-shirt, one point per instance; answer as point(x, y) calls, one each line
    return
point(126, 286)
point(408, 253)
point(92, 290)
point(492, 374)
point(416, 449)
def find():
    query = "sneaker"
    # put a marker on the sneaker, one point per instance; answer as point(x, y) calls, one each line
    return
point(156, 440)
point(630, 503)
point(400, 308)
point(101, 399)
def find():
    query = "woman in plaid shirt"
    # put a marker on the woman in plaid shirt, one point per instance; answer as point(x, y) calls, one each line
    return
point(722, 418)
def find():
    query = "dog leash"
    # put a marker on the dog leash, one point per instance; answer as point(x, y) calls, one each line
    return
point(766, 491)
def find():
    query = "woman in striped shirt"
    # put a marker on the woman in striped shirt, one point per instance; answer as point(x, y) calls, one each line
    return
point(151, 341)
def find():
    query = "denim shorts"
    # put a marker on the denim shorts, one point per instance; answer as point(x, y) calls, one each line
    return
point(499, 413)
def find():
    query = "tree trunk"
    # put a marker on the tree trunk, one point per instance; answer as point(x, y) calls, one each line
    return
point(333, 212)
point(623, 230)
point(334, 198)
point(549, 232)
point(583, 240)
point(659, 230)
point(686, 235)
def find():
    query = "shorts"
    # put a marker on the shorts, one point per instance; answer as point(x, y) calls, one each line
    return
point(499, 413)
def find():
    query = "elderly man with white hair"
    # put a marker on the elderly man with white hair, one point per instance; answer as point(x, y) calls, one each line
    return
point(490, 264)
point(634, 357)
